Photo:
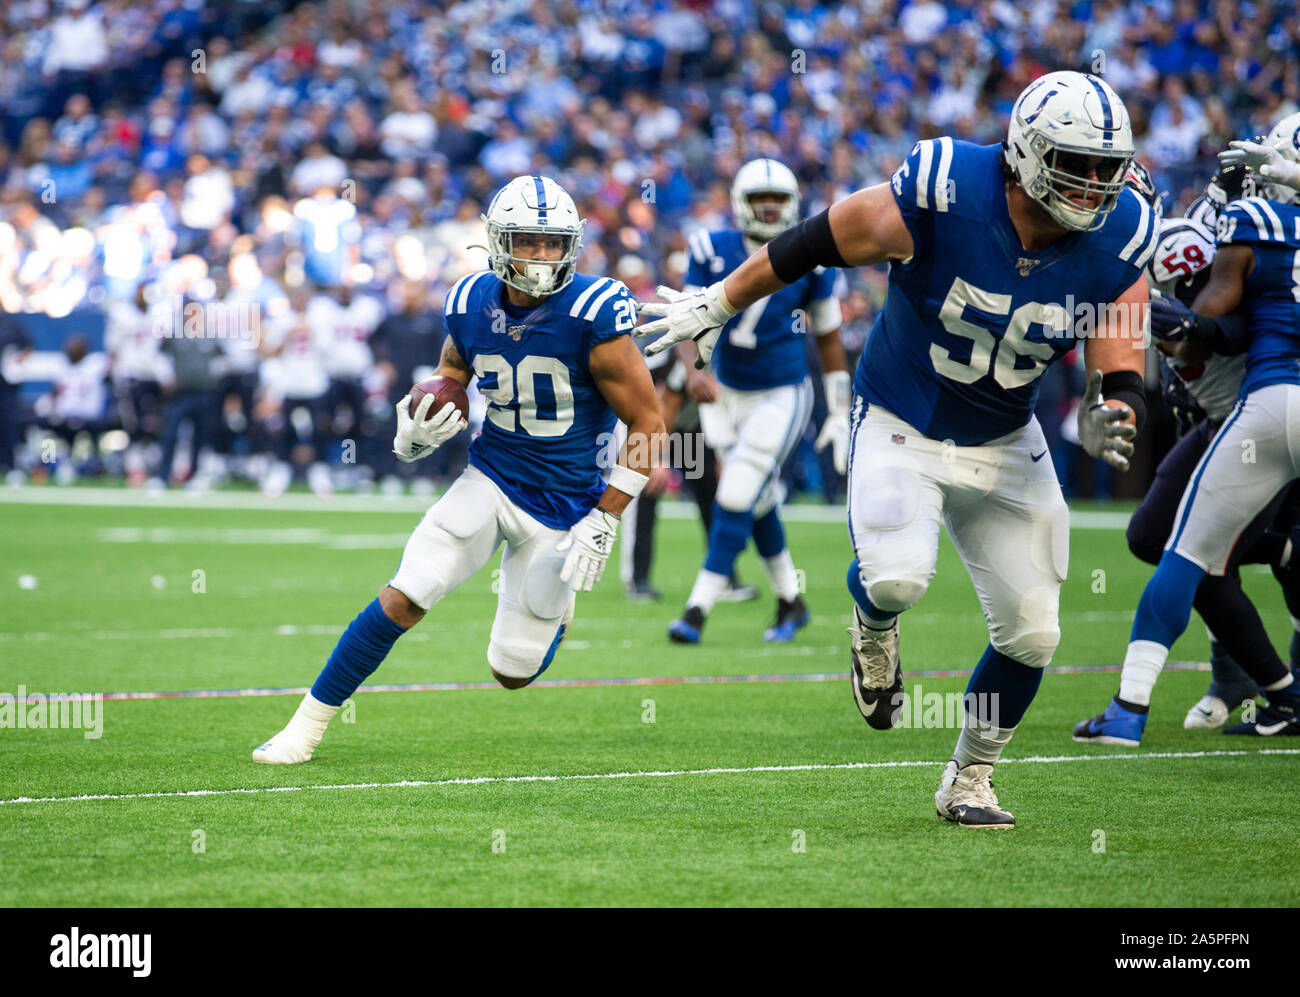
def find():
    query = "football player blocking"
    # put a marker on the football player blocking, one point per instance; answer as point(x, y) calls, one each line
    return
point(984, 246)
point(1254, 268)
point(554, 359)
point(764, 397)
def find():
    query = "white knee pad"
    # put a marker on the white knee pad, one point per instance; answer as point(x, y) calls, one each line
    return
point(424, 576)
point(1037, 630)
point(744, 475)
point(895, 595)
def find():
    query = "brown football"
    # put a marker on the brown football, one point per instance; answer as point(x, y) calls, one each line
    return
point(444, 390)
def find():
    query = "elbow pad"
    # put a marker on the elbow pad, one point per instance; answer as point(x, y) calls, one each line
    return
point(1127, 387)
point(803, 247)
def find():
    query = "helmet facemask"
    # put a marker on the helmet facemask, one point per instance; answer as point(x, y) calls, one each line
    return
point(536, 275)
point(1065, 171)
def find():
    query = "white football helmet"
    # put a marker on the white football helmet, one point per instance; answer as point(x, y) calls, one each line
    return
point(536, 205)
point(1285, 138)
point(764, 176)
point(1059, 122)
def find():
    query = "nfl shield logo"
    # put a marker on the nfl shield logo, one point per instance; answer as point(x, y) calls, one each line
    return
point(898, 438)
point(1024, 265)
point(515, 332)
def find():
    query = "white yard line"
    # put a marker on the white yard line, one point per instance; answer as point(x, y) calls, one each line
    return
point(666, 774)
point(133, 498)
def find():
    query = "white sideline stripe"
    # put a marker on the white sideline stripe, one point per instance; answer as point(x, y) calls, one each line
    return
point(134, 498)
point(663, 774)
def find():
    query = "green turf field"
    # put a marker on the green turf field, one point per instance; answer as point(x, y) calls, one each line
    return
point(815, 807)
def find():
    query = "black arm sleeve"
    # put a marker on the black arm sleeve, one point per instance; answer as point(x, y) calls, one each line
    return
point(1228, 334)
point(802, 247)
point(1127, 387)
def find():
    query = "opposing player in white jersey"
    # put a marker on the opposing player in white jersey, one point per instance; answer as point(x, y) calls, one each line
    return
point(550, 347)
point(1253, 457)
point(764, 399)
point(986, 246)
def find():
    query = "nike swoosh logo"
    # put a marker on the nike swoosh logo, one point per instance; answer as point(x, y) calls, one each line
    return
point(1271, 728)
point(1037, 457)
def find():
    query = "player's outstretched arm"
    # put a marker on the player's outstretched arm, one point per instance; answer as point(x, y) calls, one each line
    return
point(623, 379)
point(1114, 403)
point(864, 228)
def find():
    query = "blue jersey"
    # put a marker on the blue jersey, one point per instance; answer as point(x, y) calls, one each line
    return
point(1271, 296)
point(763, 346)
point(972, 318)
point(547, 422)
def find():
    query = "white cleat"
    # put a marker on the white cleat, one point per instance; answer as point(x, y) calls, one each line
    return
point(966, 797)
point(1210, 713)
point(284, 749)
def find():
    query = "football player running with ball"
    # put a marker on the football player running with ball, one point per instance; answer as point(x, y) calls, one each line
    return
point(764, 397)
point(550, 347)
point(988, 247)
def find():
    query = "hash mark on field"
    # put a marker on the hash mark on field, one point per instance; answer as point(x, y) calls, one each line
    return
point(953, 673)
point(664, 774)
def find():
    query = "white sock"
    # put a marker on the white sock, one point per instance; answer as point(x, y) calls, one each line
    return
point(980, 743)
point(1281, 683)
point(781, 575)
point(709, 586)
point(1142, 666)
point(310, 720)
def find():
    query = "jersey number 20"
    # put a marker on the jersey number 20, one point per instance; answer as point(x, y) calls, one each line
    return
point(1014, 343)
point(503, 393)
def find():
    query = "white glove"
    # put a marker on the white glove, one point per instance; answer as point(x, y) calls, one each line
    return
point(699, 315)
point(588, 544)
point(835, 430)
point(1102, 431)
point(417, 438)
point(1263, 160)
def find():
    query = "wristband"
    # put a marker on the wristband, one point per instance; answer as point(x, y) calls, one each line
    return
point(626, 480)
point(837, 384)
point(1126, 386)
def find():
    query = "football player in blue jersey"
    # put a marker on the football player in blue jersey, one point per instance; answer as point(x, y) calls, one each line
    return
point(551, 350)
point(988, 248)
point(1253, 457)
point(764, 397)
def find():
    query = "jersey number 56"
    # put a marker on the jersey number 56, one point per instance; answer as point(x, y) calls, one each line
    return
point(1014, 343)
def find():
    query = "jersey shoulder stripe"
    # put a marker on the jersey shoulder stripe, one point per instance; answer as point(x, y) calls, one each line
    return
point(458, 297)
point(1143, 241)
point(593, 288)
point(933, 173)
point(614, 287)
point(1271, 220)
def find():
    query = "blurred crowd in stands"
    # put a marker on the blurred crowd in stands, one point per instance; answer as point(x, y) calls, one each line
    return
point(317, 171)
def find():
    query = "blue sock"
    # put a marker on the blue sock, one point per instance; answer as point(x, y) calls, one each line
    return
point(769, 534)
point(550, 653)
point(860, 596)
point(1295, 651)
point(1166, 602)
point(364, 644)
point(1003, 688)
point(727, 538)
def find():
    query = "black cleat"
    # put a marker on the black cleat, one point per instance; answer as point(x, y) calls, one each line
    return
point(875, 672)
point(791, 617)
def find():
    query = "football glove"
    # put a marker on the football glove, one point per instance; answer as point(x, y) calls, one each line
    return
point(1102, 430)
point(588, 543)
point(698, 315)
point(1263, 160)
point(417, 438)
point(835, 429)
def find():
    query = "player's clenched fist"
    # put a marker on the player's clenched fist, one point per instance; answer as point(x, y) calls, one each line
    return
point(697, 315)
point(417, 437)
point(1102, 431)
point(588, 543)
